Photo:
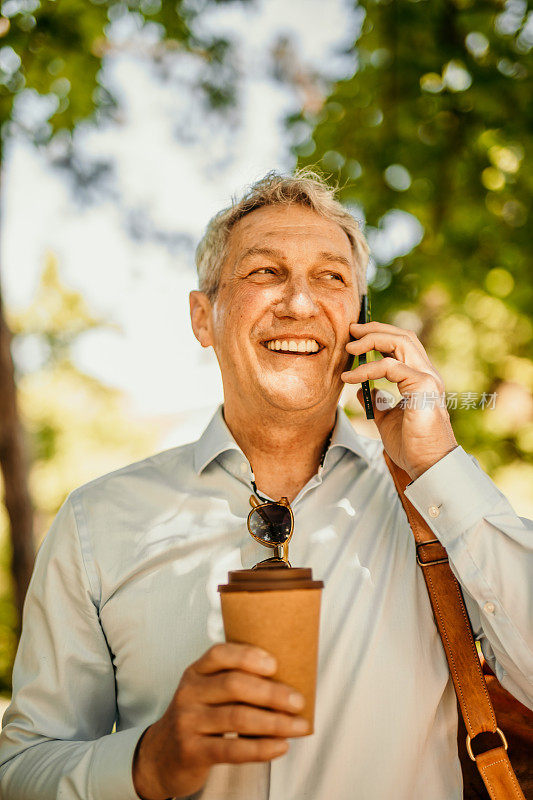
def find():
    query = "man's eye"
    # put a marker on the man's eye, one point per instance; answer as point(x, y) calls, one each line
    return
point(335, 275)
point(261, 269)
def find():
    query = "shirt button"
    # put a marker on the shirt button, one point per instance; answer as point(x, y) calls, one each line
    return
point(489, 608)
point(433, 511)
point(244, 468)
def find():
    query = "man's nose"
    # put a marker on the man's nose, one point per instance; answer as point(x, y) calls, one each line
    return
point(297, 299)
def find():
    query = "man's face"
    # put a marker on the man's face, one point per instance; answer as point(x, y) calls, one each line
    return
point(289, 275)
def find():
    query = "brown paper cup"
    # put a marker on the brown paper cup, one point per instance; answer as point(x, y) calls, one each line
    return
point(284, 622)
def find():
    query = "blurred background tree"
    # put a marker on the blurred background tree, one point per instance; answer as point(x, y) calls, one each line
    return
point(51, 58)
point(431, 144)
point(75, 427)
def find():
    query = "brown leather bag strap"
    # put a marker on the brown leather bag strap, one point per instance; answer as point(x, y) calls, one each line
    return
point(456, 633)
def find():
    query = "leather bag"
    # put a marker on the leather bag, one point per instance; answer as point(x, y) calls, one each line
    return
point(494, 777)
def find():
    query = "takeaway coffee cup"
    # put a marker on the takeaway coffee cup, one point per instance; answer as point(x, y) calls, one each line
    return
point(278, 609)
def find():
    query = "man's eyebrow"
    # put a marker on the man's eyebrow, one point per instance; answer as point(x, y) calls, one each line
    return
point(335, 258)
point(262, 251)
point(325, 255)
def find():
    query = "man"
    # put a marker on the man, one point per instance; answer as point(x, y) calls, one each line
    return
point(122, 620)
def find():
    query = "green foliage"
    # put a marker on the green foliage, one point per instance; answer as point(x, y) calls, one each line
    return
point(437, 121)
point(56, 48)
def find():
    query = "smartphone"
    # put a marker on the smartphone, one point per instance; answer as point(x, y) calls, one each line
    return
point(364, 316)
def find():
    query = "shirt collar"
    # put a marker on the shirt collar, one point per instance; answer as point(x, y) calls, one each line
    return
point(217, 438)
point(345, 435)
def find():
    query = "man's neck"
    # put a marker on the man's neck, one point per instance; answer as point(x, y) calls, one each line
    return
point(283, 454)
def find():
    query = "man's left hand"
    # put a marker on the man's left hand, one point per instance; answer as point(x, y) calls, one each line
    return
point(416, 432)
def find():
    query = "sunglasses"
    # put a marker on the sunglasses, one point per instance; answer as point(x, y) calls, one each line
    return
point(272, 524)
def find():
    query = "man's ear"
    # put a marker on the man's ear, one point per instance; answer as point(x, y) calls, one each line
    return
point(201, 317)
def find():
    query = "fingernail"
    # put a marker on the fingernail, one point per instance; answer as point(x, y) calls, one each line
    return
point(296, 700)
point(300, 725)
point(267, 662)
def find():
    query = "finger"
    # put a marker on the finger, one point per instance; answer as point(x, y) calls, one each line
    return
point(242, 687)
point(408, 379)
point(239, 751)
point(252, 721)
point(361, 328)
point(399, 345)
point(358, 330)
point(235, 656)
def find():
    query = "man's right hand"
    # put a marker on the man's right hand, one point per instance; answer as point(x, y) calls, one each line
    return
point(226, 690)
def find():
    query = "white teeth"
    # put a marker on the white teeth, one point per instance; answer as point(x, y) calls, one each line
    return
point(293, 346)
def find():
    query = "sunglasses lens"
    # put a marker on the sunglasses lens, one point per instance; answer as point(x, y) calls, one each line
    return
point(271, 523)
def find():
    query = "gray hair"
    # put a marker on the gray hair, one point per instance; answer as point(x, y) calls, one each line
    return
point(305, 188)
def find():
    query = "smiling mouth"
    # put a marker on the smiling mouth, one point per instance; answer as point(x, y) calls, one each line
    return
point(293, 348)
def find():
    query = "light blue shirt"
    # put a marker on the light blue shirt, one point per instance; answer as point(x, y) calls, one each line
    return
point(124, 597)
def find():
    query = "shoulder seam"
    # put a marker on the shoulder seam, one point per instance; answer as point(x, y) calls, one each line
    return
point(85, 548)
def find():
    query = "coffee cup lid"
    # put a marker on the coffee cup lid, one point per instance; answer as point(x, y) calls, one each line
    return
point(273, 578)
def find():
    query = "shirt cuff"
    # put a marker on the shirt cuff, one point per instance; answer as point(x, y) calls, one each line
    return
point(111, 770)
point(453, 495)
